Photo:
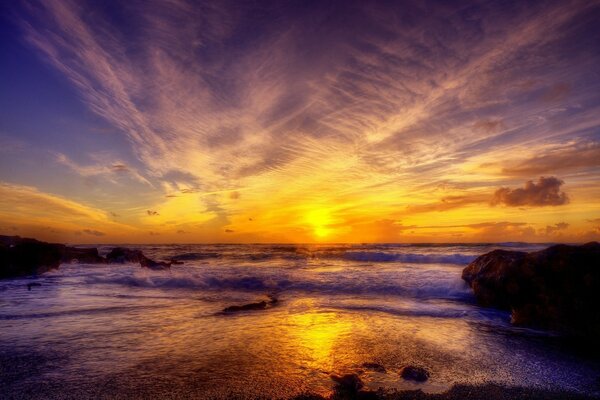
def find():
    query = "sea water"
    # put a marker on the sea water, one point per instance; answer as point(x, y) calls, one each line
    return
point(122, 331)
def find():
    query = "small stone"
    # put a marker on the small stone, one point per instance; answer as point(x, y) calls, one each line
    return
point(349, 383)
point(413, 373)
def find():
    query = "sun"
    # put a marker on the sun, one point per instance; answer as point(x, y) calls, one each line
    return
point(319, 220)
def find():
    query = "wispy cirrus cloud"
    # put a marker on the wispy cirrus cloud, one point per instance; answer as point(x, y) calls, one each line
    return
point(249, 108)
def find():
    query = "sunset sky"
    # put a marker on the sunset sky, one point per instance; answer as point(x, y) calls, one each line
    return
point(284, 121)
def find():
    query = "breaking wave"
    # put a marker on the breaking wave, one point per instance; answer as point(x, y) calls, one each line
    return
point(359, 256)
point(409, 258)
point(417, 285)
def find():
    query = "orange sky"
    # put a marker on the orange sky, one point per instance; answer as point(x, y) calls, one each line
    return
point(164, 123)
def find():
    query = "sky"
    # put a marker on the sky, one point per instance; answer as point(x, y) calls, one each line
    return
point(298, 121)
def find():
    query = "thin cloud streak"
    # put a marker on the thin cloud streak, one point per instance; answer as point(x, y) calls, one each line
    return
point(289, 107)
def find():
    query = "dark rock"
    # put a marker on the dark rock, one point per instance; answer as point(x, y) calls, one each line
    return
point(82, 255)
point(413, 373)
point(261, 305)
point(557, 288)
point(22, 256)
point(195, 256)
point(348, 383)
point(367, 395)
point(148, 263)
point(122, 255)
point(33, 284)
point(374, 366)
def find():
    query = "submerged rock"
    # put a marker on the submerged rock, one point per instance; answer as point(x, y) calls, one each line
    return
point(557, 288)
point(374, 367)
point(413, 373)
point(261, 305)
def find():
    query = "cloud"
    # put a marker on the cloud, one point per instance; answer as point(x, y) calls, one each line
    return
point(103, 167)
point(29, 202)
point(37, 213)
point(229, 231)
point(447, 203)
point(93, 232)
point(556, 93)
point(572, 157)
point(119, 168)
point(546, 192)
point(326, 105)
point(551, 229)
point(489, 125)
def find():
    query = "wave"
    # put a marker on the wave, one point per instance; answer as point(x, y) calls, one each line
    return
point(369, 256)
point(195, 256)
point(434, 312)
point(79, 311)
point(416, 286)
point(292, 253)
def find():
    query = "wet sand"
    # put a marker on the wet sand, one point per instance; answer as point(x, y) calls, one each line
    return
point(459, 392)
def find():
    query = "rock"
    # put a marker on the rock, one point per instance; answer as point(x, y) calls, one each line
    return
point(374, 367)
point(122, 255)
point(413, 373)
point(261, 305)
point(148, 263)
point(557, 288)
point(367, 395)
point(175, 262)
point(22, 256)
point(82, 255)
point(348, 383)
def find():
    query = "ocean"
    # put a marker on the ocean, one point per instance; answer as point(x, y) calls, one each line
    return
point(122, 331)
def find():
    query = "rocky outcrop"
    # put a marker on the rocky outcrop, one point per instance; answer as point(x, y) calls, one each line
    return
point(122, 255)
point(22, 257)
point(88, 255)
point(557, 288)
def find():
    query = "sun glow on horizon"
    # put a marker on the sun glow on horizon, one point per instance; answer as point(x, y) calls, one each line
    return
point(325, 123)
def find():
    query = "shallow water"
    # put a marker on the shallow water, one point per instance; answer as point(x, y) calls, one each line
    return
point(123, 331)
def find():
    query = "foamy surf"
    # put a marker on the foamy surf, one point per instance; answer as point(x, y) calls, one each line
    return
point(338, 306)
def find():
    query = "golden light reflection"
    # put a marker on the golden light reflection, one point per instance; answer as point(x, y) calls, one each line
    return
point(319, 336)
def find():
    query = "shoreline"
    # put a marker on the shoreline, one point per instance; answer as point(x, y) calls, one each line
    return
point(489, 391)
